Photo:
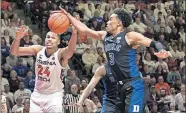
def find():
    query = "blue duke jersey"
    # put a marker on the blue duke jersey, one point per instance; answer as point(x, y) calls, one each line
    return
point(121, 57)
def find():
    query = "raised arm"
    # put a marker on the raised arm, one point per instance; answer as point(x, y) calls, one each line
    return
point(70, 49)
point(99, 35)
point(23, 51)
point(134, 38)
point(100, 72)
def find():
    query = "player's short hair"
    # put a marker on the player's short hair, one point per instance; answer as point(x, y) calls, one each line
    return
point(123, 16)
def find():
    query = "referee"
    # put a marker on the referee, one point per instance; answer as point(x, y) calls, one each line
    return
point(70, 99)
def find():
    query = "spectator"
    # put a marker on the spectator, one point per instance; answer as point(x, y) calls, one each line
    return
point(8, 94)
point(26, 107)
point(174, 35)
point(163, 64)
point(14, 81)
point(159, 71)
point(170, 17)
point(163, 103)
point(177, 85)
point(98, 64)
point(29, 80)
point(179, 23)
point(173, 75)
point(182, 34)
point(157, 26)
point(152, 98)
point(12, 28)
point(78, 11)
point(101, 54)
point(139, 25)
point(24, 93)
point(149, 33)
point(91, 45)
point(6, 71)
point(89, 60)
point(172, 95)
point(98, 8)
point(162, 32)
point(7, 37)
point(4, 81)
point(105, 18)
point(11, 60)
point(180, 99)
point(162, 85)
point(5, 20)
point(162, 17)
point(15, 19)
point(152, 51)
point(145, 71)
point(83, 85)
point(159, 9)
point(18, 104)
point(172, 62)
point(89, 13)
point(4, 48)
point(172, 108)
point(163, 41)
point(20, 69)
point(70, 80)
point(152, 81)
point(175, 53)
point(43, 11)
point(151, 64)
point(94, 24)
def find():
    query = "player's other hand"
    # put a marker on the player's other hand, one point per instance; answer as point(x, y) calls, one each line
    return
point(163, 54)
point(21, 32)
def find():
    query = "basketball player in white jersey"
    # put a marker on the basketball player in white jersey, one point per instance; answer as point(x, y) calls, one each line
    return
point(50, 60)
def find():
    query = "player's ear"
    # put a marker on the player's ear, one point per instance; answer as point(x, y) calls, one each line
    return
point(120, 23)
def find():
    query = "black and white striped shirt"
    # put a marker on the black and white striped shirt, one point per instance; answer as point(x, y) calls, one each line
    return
point(69, 99)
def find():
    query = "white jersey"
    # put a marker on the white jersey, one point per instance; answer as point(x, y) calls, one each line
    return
point(3, 104)
point(48, 72)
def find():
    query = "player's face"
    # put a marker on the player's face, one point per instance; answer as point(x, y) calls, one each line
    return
point(113, 23)
point(52, 40)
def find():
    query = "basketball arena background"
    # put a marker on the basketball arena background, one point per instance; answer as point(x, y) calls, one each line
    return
point(161, 20)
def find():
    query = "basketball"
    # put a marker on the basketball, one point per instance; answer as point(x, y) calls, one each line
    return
point(58, 23)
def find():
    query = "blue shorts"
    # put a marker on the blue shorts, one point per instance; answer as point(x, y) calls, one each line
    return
point(132, 97)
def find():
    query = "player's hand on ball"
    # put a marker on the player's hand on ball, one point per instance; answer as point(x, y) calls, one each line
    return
point(60, 11)
point(21, 32)
point(163, 54)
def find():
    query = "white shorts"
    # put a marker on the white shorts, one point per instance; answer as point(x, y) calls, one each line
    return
point(46, 103)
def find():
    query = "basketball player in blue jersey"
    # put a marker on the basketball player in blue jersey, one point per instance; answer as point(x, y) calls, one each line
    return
point(121, 54)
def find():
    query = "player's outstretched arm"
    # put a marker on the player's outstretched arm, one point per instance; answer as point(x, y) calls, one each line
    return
point(99, 35)
point(134, 38)
point(100, 72)
point(70, 49)
point(23, 51)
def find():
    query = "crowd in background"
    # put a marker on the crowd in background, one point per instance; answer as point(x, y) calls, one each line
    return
point(162, 21)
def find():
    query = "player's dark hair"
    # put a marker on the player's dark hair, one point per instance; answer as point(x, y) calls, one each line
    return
point(123, 16)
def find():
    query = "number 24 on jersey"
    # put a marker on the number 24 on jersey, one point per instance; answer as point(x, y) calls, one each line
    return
point(42, 71)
